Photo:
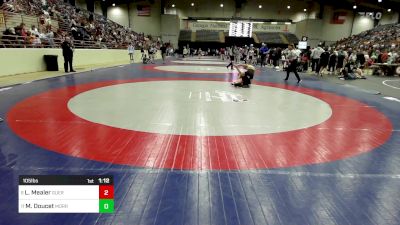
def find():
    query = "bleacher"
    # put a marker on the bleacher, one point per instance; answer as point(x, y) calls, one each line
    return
point(87, 29)
point(185, 35)
point(291, 38)
point(12, 19)
point(270, 37)
point(207, 36)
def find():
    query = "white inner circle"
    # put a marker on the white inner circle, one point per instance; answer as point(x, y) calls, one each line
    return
point(201, 62)
point(195, 69)
point(203, 108)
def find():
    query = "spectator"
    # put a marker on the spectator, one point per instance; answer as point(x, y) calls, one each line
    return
point(342, 55)
point(68, 54)
point(131, 51)
point(163, 50)
point(315, 57)
point(9, 37)
point(332, 61)
point(323, 61)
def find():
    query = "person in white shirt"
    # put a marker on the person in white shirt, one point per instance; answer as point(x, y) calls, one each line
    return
point(236, 52)
point(131, 50)
point(152, 52)
point(184, 52)
point(292, 57)
point(251, 55)
point(315, 56)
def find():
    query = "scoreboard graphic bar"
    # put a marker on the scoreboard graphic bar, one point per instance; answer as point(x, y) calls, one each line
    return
point(65, 194)
point(240, 29)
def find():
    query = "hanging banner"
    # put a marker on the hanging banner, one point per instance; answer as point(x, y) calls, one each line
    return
point(267, 27)
point(207, 26)
point(224, 26)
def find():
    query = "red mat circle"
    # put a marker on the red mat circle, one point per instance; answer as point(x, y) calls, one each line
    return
point(44, 120)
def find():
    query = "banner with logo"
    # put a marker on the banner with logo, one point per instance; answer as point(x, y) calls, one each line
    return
point(193, 25)
point(267, 27)
point(224, 26)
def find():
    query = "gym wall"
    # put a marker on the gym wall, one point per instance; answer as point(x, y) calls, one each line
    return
point(307, 22)
point(32, 58)
point(126, 15)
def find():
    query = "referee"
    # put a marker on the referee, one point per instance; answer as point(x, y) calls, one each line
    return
point(292, 58)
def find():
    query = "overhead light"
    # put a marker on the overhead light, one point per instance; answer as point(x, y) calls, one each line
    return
point(379, 0)
point(192, 4)
point(288, 23)
point(274, 23)
point(259, 6)
point(305, 10)
point(389, 10)
point(355, 7)
point(173, 5)
point(222, 5)
point(113, 4)
point(288, 6)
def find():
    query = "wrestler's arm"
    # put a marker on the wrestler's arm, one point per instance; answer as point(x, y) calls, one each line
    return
point(239, 71)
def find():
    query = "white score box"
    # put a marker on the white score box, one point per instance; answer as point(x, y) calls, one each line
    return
point(58, 206)
point(66, 194)
point(59, 192)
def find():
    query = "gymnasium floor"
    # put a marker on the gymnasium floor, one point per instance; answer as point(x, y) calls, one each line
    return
point(185, 147)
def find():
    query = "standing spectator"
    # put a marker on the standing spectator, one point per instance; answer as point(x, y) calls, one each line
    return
point(263, 53)
point(199, 52)
point(360, 59)
point(236, 51)
point(131, 50)
point(143, 53)
point(163, 50)
point(152, 52)
point(342, 55)
point(68, 54)
point(304, 61)
point(307, 52)
point(323, 62)
point(315, 56)
point(292, 57)
point(251, 55)
point(222, 52)
point(232, 59)
point(278, 57)
point(332, 61)
point(184, 52)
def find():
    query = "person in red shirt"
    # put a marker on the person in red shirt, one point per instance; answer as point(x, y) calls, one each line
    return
point(222, 53)
point(385, 56)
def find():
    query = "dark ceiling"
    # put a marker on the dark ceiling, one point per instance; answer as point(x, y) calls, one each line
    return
point(343, 4)
point(366, 4)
